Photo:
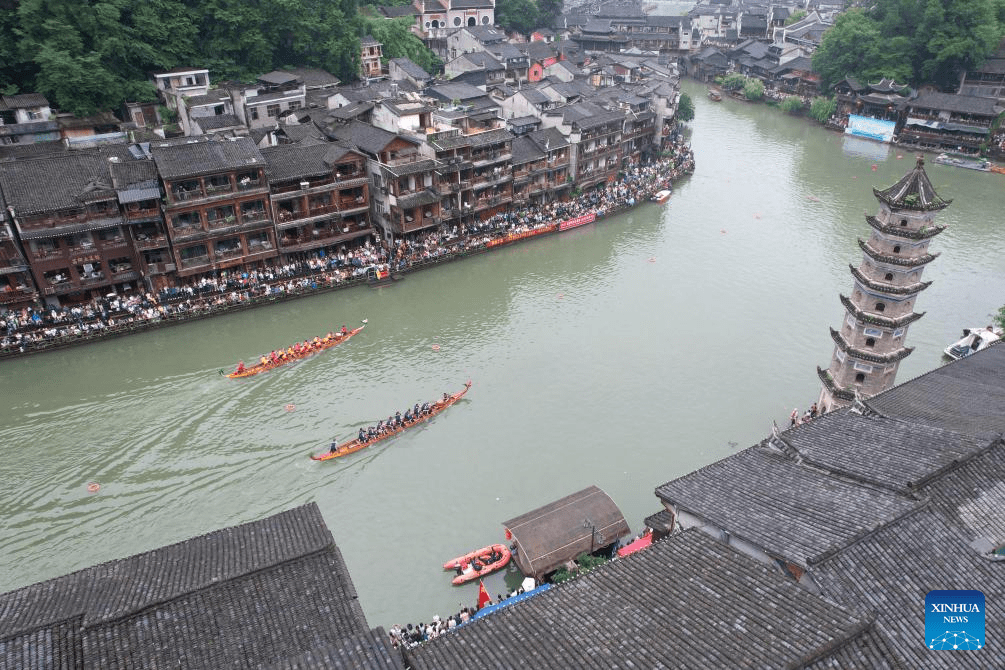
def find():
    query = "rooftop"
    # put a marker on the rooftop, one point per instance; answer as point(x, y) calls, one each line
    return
point(184, 160)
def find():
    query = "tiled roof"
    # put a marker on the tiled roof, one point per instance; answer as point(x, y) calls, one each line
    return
point(370, 139)
point(366, 651)
point(914, 191)
point(242, 596)
point(791, 511)
point(525, 150)
point(455, 91)
point(483, 59)
point(24, 100)
point(886, 452)
point(186, 160)
point(397, 12)
point(549, 139)
point(55, 182)
point(126, 172)
point(411, 68)
point(302, 133)
point(966, 104)
point(966, 396)
point(296, 161)
point(869, 650)
point(475, 140)
point(685, 602)
point(313, 77)
point(972, 497)
point(217, 121)
point(891, 571)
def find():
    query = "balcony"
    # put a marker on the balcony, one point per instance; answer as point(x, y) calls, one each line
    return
point(13, 295)
point(322, 237)
point(194, 262)
point(160, 268)
point(249, 184)
point(352, 205)
point(147, 214)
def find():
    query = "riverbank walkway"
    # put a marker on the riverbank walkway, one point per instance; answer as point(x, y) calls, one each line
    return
point(42, 329)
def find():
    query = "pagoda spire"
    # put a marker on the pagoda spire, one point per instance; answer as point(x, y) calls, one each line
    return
point(869, 346)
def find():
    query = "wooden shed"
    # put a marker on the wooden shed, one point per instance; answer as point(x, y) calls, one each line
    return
point(549, 536)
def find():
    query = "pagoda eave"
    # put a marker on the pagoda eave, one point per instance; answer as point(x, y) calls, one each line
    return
point(887, 229)
point(903, 205)
point(890, 289)
point(884, 321)
point(832, 387)
point(862, 354)
point(896, 260)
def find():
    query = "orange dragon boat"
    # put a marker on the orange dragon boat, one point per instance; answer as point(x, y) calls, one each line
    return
point(488, 559)
point(352, 446)
point(322, 344)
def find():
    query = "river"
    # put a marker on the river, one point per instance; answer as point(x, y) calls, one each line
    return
point(621, 354)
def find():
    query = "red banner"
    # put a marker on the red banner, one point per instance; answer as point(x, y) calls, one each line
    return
point(578, 221)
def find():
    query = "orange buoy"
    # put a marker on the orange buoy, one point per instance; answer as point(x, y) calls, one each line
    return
point(93, 487)
point(290, 407)
point(561, 295)
point(436, 347)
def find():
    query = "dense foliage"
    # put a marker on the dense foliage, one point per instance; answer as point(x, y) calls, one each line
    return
point(999, 318)
point(399, 41)
point(912, 41)
point(753, 89)
point(791, 104)
point(91, 55)
point(524, 16)
point(733, 81)
point(821, 109)
point(685, 108)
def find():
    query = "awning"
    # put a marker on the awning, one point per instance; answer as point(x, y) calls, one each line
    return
point(632, 547)
point(139, 194)
point(58, 231)
point(926, 123)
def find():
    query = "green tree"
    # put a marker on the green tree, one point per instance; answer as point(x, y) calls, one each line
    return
point(519, 15)
point(999, 319)
point(821, 109)
point(399, 41)
point(753, 89)
point(791, 104)
point(549, 10)
point(795, 17)
point(731, 82)
point(685, 108)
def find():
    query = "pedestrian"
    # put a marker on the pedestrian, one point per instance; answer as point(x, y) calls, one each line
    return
point(794, 417)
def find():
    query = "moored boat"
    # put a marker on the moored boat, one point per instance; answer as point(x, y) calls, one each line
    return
point(968, 163)
point(973, 340)
point(354, 445)
point(714, 95)
point(313, 348)
point(662, 196)
point(478, 563)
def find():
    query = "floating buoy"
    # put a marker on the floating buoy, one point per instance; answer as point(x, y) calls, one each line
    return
point(873, 167)
point(652, 260)
point(900, 155)
point(93, 487)
point(290, 407)
point(723, 232)
point(561, 295)
point(436, 347)
point(757, 216)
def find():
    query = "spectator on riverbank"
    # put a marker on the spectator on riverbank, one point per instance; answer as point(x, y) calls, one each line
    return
point(40, 328)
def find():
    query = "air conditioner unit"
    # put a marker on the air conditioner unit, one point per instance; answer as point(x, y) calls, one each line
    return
point(305, 185)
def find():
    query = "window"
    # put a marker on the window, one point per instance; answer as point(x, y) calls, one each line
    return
point(873, 332)
point(272, 110)
point(888, 276)
point(296, 104)
point(903, 222)
point(253, 112)
point(457, 20)
point(859, 378)
point(870, 342)
point(485, 20)
point(896, 249)
point(880, 306)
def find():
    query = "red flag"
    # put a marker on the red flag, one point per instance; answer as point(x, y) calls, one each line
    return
point(483, 596)
point(509, 535)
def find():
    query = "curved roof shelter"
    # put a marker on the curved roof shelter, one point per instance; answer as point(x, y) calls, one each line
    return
point(556, 533)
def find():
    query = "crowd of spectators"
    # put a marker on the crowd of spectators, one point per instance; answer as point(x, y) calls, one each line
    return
point(39, 328)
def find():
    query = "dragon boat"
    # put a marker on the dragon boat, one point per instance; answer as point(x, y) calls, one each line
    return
point(323, 343)
point(352, 446)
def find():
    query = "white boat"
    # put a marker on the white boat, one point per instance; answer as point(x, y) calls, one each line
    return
point(969, 163)
point(662, 196)
point(974, 339)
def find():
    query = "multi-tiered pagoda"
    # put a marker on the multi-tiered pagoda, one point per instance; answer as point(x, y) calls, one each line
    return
point(870, 343)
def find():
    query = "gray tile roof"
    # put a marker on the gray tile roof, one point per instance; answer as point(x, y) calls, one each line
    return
point(455, 91)
point(966, 396)
point(526, 150)
point(217, 122)
point(24, 101)
point(366, 651)
point(55, 182)
point(966, 104)
point(411, 68)
point(313, 77)
point(972, 497)
point(370, 139)
point(869, 650)
point(475, 140)
point(126, 172)
point(297, 161)
point(185, 160)
point(791, 511)
point(886, 452)
point(242, 596)
point(631, 614)
point(549, 139)
point(889, 573)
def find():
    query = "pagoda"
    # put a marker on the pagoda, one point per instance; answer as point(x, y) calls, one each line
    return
point(870, 343)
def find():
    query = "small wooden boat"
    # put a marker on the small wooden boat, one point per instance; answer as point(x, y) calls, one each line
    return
point(662, 196)
point(352, 446)
point(324, 343)
point(714, 95)
point(485, 562)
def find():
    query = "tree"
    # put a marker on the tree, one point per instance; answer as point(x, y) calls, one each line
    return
point(685, 108)
point(795, 17)
point(519, 15)
point(753, 89)
point(821, 109)
point(999, 319)
point(731, 82)
point(399, 41)
point(791, 104)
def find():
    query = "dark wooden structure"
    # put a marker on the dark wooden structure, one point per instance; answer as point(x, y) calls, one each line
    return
point(550, 536)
